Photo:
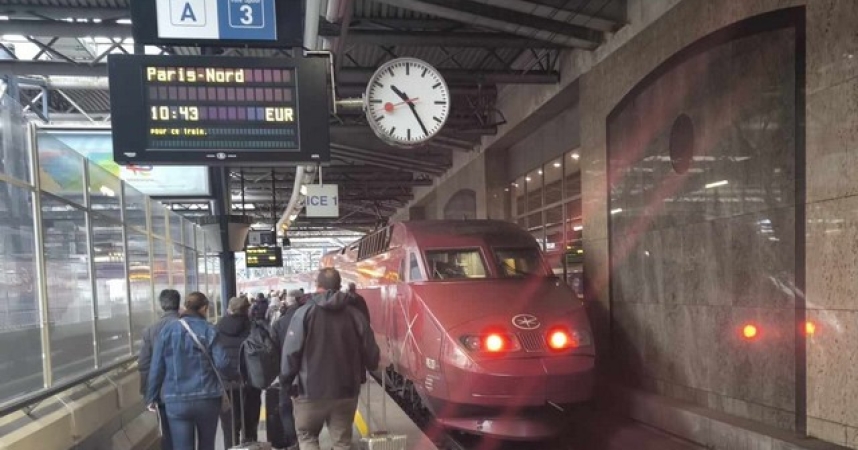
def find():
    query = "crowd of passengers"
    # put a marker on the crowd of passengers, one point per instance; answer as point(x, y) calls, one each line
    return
point(195, 375)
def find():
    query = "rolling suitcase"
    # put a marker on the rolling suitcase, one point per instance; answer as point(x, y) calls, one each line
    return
point(247, 445)
point(273, 419)
point(381, 439)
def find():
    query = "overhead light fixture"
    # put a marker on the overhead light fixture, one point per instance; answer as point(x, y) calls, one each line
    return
point(616, 211)
point(539, 171)
point(577, 228)
point(293, 217)
point(303, 189)
point(245, 207)
point(527, 179)
point(717, 184)
point(576, 156)
point(557, 165)
point(106, 191)
point(124, 21)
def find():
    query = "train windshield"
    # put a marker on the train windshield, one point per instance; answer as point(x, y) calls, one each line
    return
point(455, 264)
point(519, 262)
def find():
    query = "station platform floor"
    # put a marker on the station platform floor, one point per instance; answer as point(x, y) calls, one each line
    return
point(368, 420)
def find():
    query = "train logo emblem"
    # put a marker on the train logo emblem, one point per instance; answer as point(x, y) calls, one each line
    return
point(526, 322)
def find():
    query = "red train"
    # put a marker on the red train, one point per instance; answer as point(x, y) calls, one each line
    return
point(470, 319)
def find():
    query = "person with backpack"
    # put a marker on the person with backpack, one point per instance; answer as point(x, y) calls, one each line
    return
point(233, 330)
point(328, 348)
point(279, 330)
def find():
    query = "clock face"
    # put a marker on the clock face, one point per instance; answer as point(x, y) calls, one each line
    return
point(407, 102)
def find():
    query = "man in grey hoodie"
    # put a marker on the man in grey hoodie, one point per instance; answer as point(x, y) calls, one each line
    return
point(328, 348)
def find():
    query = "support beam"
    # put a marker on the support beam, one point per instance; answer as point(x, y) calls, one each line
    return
point(356, 90)
point(569, 16)
point(59, 12)
point(460, 77)
point(499, 19)
point(446, 39)
point(347, 76)
point(60, 28)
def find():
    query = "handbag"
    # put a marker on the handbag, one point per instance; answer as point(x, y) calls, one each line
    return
point(225, 403)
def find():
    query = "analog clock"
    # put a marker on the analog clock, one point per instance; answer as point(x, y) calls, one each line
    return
point(407, 102)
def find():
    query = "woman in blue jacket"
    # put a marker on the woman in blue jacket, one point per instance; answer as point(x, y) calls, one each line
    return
point(187, 379)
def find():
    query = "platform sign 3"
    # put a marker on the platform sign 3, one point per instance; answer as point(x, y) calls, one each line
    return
point(232, 20)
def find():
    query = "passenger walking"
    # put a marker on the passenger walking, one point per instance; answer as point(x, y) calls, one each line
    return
point(188, 367)
point(279, 330)
point(359, 301)
point(169, 300)
point(233, 331)
point(327, 351)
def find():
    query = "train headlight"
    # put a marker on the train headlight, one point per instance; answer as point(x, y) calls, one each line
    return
point(563, 339)
point(490, 343)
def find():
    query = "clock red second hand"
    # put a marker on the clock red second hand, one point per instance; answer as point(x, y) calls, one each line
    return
point(389, 107)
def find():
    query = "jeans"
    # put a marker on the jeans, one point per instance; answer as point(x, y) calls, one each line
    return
point(193, 423)
point(312, 415)
point(166, 439)
point(249, 404)
point(287, 416)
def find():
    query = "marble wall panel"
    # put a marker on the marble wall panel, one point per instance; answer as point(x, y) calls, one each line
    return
point(832, 356)
point(832, 44)
point(832, 141)
point(831, 259)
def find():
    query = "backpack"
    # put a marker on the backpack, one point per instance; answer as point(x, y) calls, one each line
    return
point(261, 357)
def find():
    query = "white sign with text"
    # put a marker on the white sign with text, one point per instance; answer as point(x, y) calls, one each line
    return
point(322, 200)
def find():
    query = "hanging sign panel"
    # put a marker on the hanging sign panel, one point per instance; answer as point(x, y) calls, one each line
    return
point(275, 23)
point(322, 200)
point(217, 110)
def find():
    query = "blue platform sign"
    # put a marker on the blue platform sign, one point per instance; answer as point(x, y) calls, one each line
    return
point(229, 20)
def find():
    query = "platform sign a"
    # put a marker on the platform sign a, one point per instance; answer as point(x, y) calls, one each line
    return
point(229, 20)
point(322, 200)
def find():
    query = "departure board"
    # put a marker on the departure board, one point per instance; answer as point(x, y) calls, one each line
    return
point(174, 110)
point(263, 257)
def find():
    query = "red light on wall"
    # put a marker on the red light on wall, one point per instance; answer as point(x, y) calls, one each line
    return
point(494, 343)
point(749, 331)
point(809, 328)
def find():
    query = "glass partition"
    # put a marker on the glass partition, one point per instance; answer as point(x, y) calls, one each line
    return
point(83, 256)
point(20, 336)
point(69, 287)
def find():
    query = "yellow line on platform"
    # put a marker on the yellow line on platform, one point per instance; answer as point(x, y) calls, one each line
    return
point(361, 425)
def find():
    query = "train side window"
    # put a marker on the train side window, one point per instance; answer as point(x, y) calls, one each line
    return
point(414, 273)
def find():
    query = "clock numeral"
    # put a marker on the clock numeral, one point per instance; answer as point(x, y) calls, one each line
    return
point(378, 118)
point(436, 85)
point(437, 119)
point(440, 102)
point(409, 134)
point(377, 83)
point(392, 130)
point(407, 68)
point(375, 100)
point(390, 69)
point(423, 75)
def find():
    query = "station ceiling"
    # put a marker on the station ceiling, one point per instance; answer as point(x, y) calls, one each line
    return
point(479, 46)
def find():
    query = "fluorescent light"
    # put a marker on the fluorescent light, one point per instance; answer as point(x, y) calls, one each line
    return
point(539, 171)
point(4, 17)
point(293, 217)
point(716, 184)
point(527, 179)
point(107, 191)
point(577, 228)
point(124, 21)
point(616, 211)
point(303, 189)
point(576, 156)
point(557, 165)
point(247, 207)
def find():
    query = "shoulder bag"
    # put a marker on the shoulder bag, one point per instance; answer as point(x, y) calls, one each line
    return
point(226, 404)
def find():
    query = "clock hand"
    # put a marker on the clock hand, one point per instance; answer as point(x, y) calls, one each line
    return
point(388, 107)
point(410, 105)
point(423, 127)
